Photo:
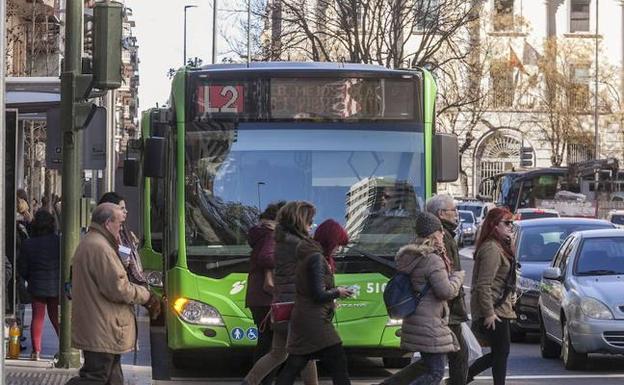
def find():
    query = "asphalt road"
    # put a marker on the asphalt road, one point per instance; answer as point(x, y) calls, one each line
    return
point(525, 365)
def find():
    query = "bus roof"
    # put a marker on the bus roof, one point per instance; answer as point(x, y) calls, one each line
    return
point(303, 67)
point(560, 171)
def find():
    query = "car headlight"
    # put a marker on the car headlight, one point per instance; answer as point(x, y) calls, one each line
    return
point(154, 278)
point(593, 308)
point(526, 284)
point(468, 230)
point(394, 322)
point(196, 312)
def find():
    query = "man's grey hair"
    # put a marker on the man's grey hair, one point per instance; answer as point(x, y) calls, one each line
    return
point(103, 212)
point(439, 202)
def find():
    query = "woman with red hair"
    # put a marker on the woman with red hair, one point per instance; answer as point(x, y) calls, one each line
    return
point(312, 335)
point(492, 295)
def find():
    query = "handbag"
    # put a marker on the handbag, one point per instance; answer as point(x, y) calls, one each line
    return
point(280, 311)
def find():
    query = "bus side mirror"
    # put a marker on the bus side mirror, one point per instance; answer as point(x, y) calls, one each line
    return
point(154, 157)
point(446, 157)
point(131, 172)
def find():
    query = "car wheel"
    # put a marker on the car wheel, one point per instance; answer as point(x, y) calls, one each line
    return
point(396, 362)
point(548, 347)
point(571, 359)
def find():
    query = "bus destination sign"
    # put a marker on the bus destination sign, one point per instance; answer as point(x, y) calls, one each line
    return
point(350, 98)
point(221, 99)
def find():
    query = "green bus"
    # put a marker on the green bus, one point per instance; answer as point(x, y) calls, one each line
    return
point(356, 140)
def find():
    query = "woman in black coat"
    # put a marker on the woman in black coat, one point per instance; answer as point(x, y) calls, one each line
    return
point(39, 264)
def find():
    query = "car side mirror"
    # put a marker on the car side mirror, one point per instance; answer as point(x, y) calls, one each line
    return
point(553, 273)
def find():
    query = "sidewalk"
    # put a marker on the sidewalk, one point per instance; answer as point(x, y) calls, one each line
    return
point(27, 372)
point(467, 252)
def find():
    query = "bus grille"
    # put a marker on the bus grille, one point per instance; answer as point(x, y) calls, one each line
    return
point(614, 338)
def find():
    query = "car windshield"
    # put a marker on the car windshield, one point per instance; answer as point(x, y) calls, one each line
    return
point(601, 256)
point(540, 243)
point(369, 177)
point(466, 216)
point(476, 209)
point(618, 219)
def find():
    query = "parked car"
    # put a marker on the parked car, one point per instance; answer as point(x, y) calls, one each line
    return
point(581, 306)
point(532, 213)
point(467, 228)
point(617, 218)
point(535, 243)
point(478, 208)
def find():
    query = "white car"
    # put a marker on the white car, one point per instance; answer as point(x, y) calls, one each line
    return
point(617, 218)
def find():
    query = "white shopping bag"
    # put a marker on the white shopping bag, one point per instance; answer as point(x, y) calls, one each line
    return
point(415, 357)
point(474, 348)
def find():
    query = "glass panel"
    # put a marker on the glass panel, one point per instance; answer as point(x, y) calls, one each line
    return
point(579, 15)
point(368, 178)
point(601, 256)
point(540, 243)
point(617, 219)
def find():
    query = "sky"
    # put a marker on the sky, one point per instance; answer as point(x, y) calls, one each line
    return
point(160, 34)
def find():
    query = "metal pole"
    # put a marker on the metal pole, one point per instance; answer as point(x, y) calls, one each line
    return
point(184, 59)
point(259, 203)
point(596, 134)
point(185, 8)
point(109, 176)
point(214, 32)
point(248, 32)
point(72, 159)
point(2, 174)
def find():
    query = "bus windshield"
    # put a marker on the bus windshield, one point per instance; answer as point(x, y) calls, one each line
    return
point(368, 176)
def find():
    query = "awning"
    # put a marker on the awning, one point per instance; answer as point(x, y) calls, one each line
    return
point(33, 95)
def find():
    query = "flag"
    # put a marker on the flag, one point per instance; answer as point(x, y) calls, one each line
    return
point(514, 60)
point(530, 56)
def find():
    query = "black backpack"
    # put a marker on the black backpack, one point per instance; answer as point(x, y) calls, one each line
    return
point(399, 296)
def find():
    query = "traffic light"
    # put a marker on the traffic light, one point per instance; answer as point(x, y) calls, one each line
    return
point(526, 157)
point(107, 64)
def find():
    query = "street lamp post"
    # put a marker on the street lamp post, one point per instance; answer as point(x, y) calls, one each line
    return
point(185, 8)
point(214, 30)
point(260, 203)
point(596, 117)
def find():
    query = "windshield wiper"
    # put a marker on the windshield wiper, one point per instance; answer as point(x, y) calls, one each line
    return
point(600, 272)
point(372, 257)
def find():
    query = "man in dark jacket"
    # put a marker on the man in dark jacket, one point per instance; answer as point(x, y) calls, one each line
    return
point(443, 206)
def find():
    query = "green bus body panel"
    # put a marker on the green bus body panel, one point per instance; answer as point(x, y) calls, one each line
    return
point(430, 90)
point(179, 93)
point(358, 328)
point(361, 320)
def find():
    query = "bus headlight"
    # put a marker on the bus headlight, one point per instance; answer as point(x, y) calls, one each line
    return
point(394, 322)
point(198, 313)
point(154, 278)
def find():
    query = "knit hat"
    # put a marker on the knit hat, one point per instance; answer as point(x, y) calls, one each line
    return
point(427, 224)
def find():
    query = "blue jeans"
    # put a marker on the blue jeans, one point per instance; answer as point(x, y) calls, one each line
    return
point(435, 363)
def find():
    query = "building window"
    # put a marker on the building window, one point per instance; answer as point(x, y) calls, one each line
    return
point(351, 17)
point(503, 15)
point(579, 15)
point(578, 92)
point(427, 14)
point(502, 84)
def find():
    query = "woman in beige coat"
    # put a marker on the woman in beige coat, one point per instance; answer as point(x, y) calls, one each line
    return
point(493, 285)
point(426, 330)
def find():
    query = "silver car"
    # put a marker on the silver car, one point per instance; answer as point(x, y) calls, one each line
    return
point(581, 305)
